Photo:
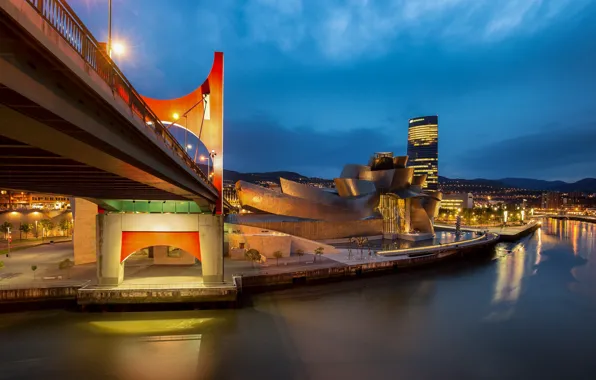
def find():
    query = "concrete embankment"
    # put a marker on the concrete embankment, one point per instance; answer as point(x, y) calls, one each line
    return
point(265, 281)
point(153, 294)
point(52, 293)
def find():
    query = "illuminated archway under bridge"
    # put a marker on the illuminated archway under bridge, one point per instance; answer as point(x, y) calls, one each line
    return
point(119, 235)
point(133, 241)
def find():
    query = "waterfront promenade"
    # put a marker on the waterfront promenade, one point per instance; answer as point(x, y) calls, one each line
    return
point(144, 282)
point(506, 233)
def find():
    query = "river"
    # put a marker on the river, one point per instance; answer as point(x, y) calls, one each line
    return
point(525, 314)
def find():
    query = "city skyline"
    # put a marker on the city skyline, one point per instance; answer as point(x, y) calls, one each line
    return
point(500, 76)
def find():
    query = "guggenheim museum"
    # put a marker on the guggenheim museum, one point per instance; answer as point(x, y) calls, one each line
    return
point(385, 192)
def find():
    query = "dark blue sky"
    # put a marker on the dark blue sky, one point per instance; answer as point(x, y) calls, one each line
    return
point(312, 84)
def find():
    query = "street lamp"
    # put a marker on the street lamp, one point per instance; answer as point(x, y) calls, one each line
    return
point(203, 158)
point(212, 154)
point(118, 48)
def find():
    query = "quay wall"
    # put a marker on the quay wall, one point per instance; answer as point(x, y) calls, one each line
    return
point(9, 295)
point(262, 282)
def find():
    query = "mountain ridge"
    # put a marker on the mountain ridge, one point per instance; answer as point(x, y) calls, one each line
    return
point(584, 185)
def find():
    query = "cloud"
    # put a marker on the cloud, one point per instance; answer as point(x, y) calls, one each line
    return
point(347, 29)
point(549, 153)
point(262, 144)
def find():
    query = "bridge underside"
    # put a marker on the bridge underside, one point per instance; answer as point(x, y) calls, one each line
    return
point(64, 130)
point(25, 167)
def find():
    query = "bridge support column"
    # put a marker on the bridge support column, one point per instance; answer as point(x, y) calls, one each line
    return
point(110, 271)
point(211, 240)
point(84, 214)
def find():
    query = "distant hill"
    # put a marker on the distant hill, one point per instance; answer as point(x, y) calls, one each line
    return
point(234, 176)
point(585, 185)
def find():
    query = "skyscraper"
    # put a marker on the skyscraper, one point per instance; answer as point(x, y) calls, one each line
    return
point(423, 149)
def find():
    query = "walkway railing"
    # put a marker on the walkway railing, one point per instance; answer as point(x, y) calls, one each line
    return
point(436, 248)
point(64, 20)
point(171, 286)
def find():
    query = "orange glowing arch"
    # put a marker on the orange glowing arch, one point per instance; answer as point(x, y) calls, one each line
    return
point(134, 241)
point(211, 133)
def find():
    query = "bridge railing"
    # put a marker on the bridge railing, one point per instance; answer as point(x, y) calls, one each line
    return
point(64, 20)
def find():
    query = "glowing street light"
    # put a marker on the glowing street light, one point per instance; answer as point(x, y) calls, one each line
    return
point(118, 48)
point(203, 158)
point(189, 146)
point(176, 116)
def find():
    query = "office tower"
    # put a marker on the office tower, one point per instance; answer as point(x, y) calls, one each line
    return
point(423, 149)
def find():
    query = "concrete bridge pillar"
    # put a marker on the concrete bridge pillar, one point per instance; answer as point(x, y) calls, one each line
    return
point(84, 215)
point(211, 240)
point(115, 241)
point(110, 271)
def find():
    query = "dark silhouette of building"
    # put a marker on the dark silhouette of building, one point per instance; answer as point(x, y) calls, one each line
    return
point(423, 149)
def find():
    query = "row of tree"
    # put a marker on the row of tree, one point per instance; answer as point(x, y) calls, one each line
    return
point(255, 256)
point(65, 226)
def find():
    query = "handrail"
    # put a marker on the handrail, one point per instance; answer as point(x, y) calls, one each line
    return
point(433, 248)
point(63, 19)
point(148, 287)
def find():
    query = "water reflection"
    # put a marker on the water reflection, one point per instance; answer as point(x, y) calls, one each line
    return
point(510, 271)
point(468, 319)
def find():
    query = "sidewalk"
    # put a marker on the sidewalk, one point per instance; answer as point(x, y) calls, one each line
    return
point(504, 231)
point(26, 243)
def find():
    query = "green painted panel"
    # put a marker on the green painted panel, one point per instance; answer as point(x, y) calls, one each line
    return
point(155, 207)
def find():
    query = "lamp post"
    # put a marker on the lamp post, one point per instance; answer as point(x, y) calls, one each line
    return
point(110, 28)
point(8, 240)
point(203, 158)
point(212, 155)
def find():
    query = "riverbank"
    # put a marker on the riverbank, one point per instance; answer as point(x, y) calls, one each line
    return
point(506, 234)
point(242, 276)
point(410, 259)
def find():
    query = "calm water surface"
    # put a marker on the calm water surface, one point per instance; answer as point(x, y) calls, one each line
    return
point(529, 314)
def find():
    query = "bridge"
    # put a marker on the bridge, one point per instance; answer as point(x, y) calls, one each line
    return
point(71, 123)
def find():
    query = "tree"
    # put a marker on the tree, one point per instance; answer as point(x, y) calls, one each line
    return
point(253, 256)
point(300, 253)
point(318, 252)
point(66, 264)
point(278, 255)
point(361, 242)
point(26, 228)
point(5, 227)
point(33, 268)
point(47, 224)
point(64, 226)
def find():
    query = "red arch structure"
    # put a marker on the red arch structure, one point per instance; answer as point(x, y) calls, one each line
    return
point(209, 128)
point(134, 241)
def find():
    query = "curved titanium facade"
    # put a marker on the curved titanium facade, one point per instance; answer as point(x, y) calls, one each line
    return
point(423, 148)
point(351, 187)
point(389, 187)
point(309, 205)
